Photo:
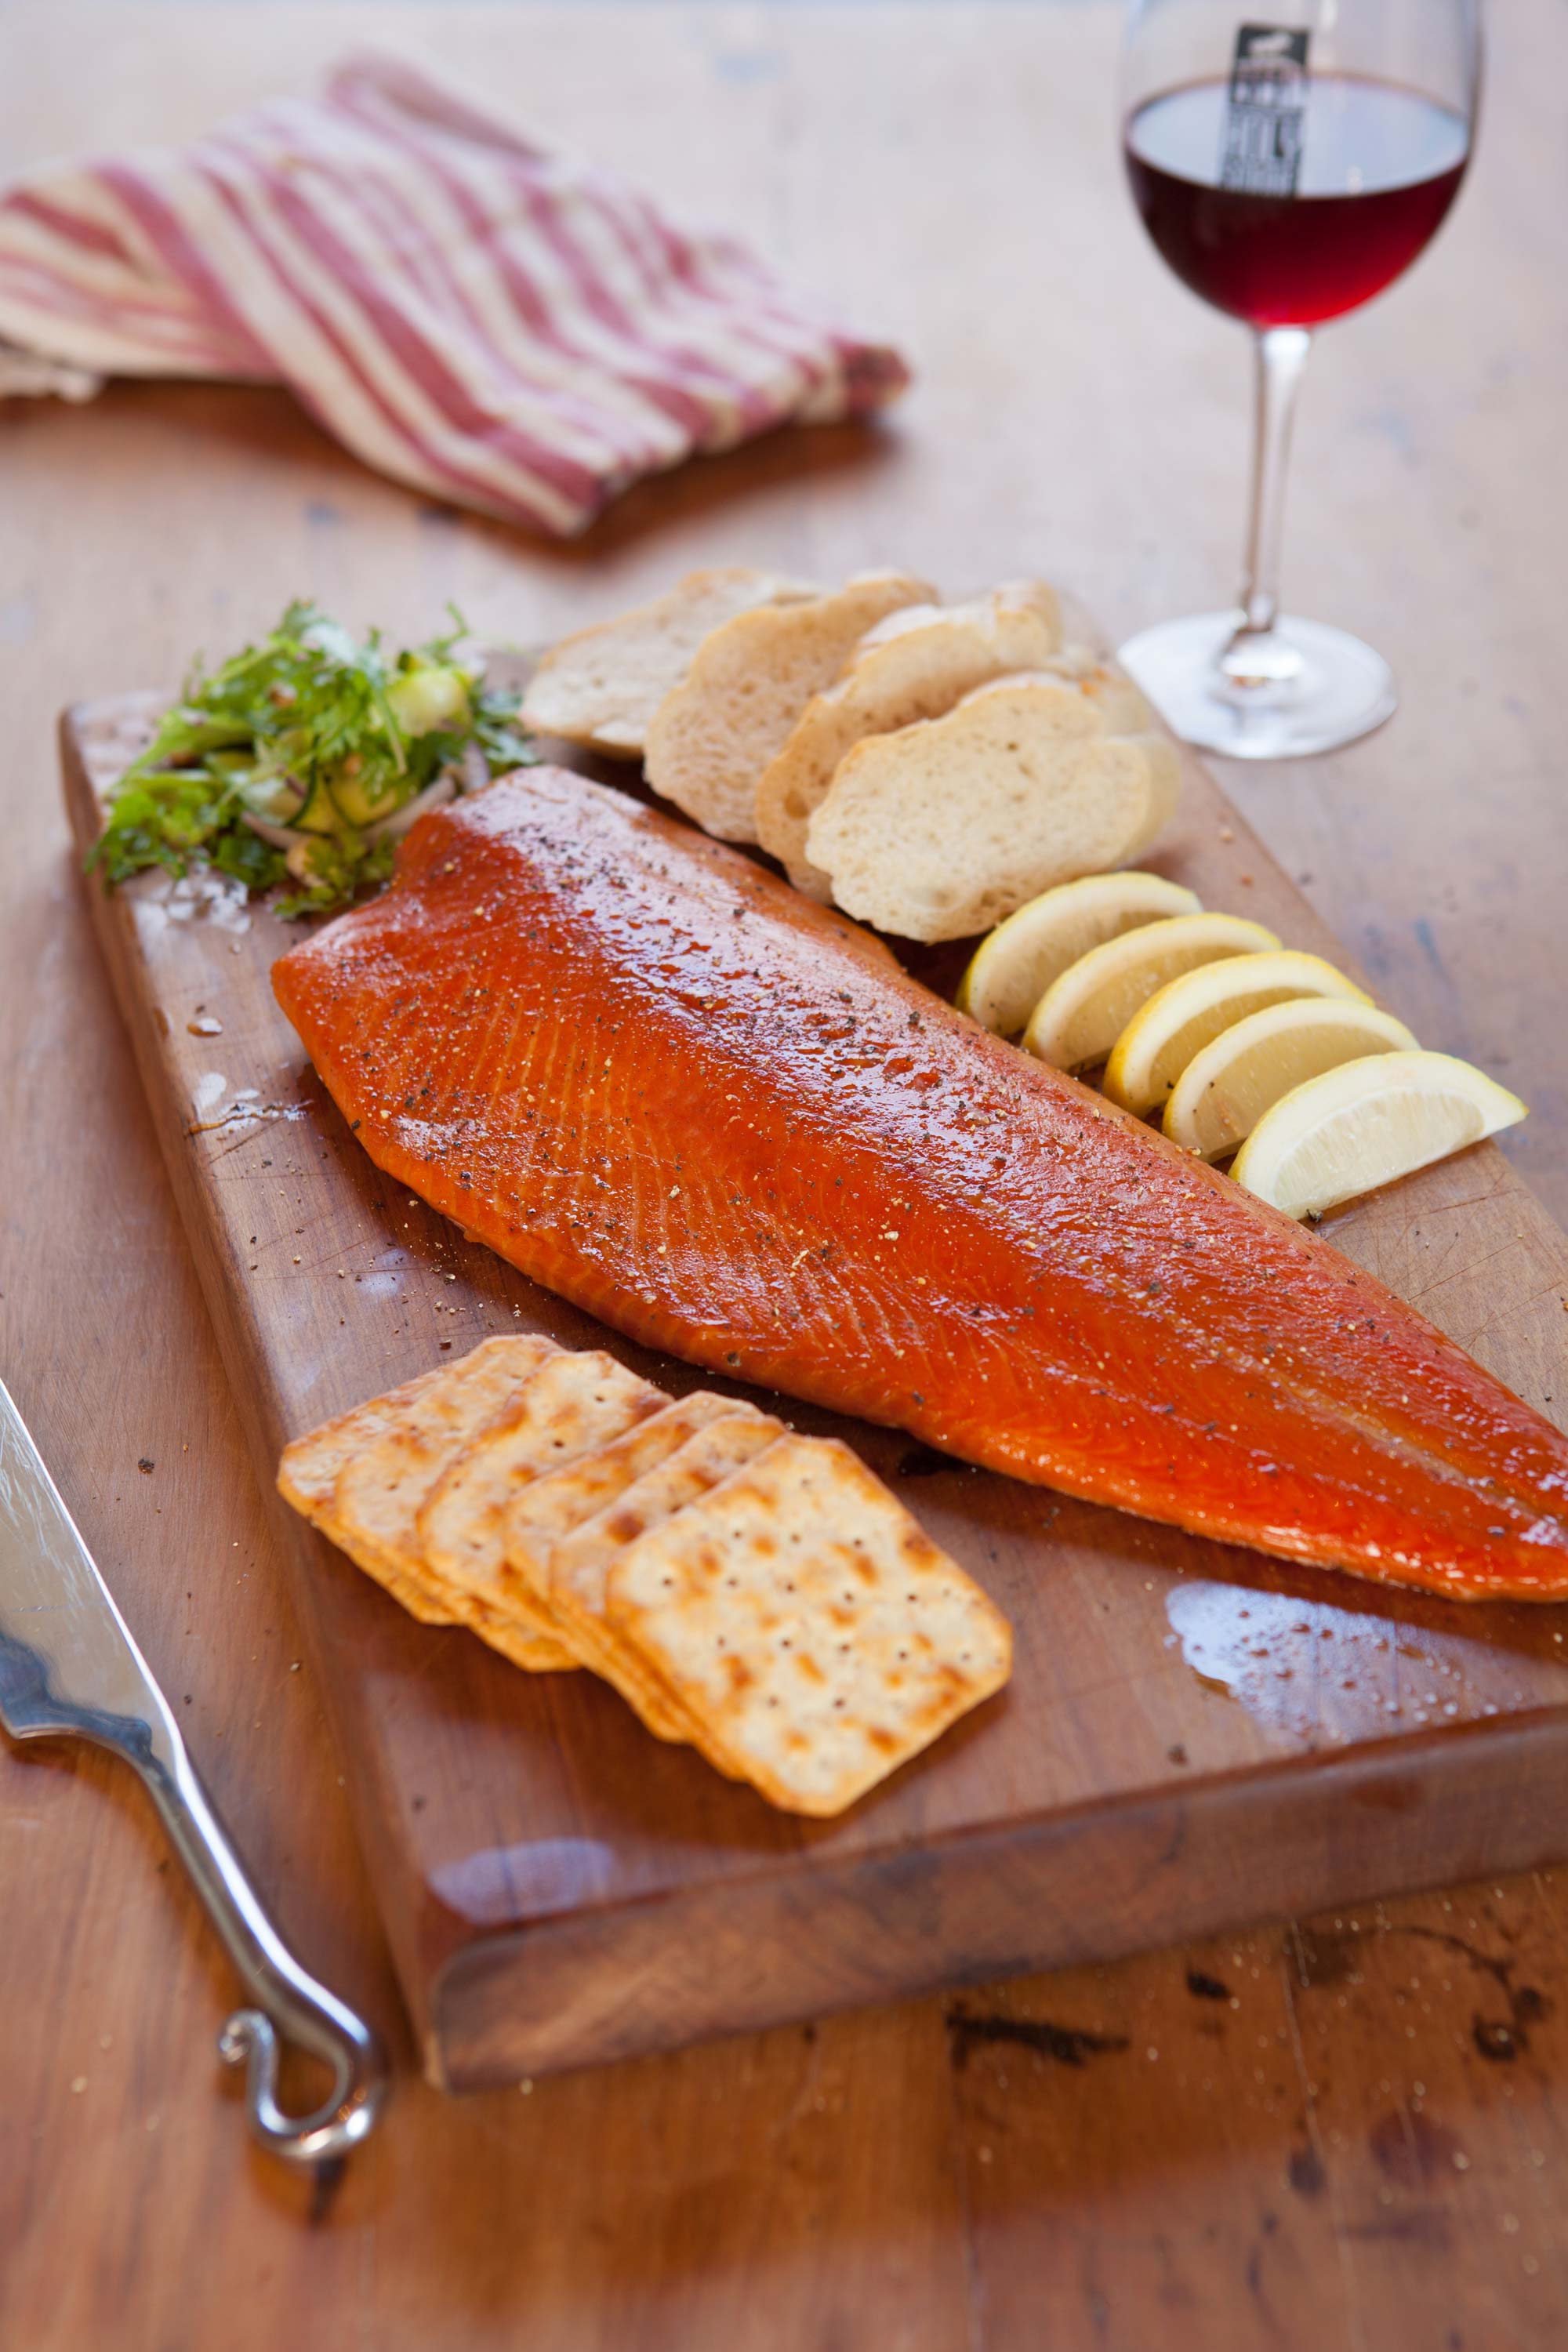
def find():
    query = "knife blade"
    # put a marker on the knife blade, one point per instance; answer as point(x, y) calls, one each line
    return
point(68, 1661)
point(69, 1667)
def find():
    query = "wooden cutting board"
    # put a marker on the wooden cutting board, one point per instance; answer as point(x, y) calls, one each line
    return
point(1193, 1736)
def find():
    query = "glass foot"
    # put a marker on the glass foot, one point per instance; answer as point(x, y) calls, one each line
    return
point(1302, 688)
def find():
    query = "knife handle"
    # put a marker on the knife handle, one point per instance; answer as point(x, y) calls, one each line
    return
point(286, 2002)
point(286, 1999)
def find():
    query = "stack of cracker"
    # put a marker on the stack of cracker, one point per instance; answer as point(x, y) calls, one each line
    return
point(756, 1594)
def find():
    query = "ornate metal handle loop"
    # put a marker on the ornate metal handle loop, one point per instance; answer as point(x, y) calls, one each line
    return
point(344, 2118)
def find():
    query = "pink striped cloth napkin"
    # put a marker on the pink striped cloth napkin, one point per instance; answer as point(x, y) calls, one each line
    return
point(491, 319)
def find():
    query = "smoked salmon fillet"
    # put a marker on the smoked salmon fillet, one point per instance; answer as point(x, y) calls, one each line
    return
point(722, 1119)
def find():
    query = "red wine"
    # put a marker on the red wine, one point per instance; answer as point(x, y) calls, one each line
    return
point(1379, 168)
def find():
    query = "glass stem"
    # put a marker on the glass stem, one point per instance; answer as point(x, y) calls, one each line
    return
point(1281, 355)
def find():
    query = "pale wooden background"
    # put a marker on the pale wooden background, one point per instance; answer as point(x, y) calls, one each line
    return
point(1367, 2148)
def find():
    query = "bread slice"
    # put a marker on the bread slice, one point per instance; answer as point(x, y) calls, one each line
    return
point(1117, 700)
point(714, 734)
point(1164, 790)
point(601, 686)
point(914, 665)
point(939, 831)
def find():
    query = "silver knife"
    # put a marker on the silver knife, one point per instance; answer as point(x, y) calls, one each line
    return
point(69, 1669)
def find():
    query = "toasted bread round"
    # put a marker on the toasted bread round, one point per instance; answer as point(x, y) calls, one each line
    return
point(914, 665)
point(601, 686)
point(942, 829)
point(712, 735)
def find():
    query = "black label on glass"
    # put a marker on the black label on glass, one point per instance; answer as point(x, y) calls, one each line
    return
point(1267, 109)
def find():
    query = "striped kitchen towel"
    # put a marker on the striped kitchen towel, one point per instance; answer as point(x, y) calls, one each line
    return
point(489, 319)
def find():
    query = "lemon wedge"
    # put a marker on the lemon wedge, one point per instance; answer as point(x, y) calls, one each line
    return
point(1016, 963)
point(1225, 1089)
point(1188, 1013)
point(1365, 1123)
point(1086, 1008)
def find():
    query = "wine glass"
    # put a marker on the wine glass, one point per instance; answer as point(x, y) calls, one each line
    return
point(1286, 171)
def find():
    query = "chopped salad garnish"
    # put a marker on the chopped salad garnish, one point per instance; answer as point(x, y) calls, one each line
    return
point(305, 757)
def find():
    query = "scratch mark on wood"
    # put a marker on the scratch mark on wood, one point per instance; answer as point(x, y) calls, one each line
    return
point(1314, 2153)
point(1070, 2045)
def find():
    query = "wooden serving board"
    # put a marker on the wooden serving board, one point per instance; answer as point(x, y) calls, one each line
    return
point(1194, 1737)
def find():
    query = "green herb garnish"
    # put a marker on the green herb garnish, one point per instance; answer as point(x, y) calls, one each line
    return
point(286, 763)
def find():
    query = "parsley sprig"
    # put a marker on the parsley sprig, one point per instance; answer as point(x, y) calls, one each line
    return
point(316, 739)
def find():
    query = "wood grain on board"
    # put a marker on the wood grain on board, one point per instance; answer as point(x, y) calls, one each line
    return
point(558, 1888)
point(1345, 2134)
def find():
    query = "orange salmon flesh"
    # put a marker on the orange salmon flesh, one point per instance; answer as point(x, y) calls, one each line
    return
point(722, 1120)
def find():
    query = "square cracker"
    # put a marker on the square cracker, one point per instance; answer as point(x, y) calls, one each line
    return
point(814, 1632)
point(538, 1651)
point(542, 1514)
point(580, 1564)
point(573, 1406)
point(381, 1484)
point(309, 1469)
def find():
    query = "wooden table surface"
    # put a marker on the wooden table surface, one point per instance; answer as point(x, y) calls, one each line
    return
point(1348, 2131)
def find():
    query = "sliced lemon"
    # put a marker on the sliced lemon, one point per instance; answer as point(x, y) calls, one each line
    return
point(1012, 968)
point(1365, 1123)
point(1188, 1013)
point(1225, 1089)
point(1086, 1008)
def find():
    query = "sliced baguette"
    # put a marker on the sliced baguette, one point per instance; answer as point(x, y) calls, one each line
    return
point(714, 734)
point(914, 665)
point(1165, 790)
point(940, 830)
point(601, 686)
point(1119, 701)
